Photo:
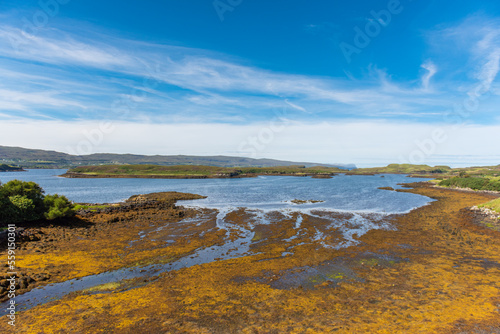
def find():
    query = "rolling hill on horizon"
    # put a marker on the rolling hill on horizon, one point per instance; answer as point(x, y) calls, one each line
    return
point(35, 158)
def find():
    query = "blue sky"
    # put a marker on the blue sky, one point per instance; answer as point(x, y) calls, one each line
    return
point(365, 82)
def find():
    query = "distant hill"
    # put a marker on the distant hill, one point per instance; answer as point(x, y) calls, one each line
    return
point(31, 158)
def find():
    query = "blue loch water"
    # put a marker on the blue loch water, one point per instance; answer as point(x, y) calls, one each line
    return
point(267, 193)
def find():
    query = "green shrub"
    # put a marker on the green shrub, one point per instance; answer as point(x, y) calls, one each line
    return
point(57, 207)
point(15, 209)
point(22, 209)
point(476, 183)
point(30, 190)
point(25, 201)
point(493, 185)
point(7, 209)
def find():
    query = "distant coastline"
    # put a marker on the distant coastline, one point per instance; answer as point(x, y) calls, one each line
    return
point(206, 172)
point(32, 158)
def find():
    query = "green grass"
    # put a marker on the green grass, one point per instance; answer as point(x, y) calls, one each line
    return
point(104, 287)
point(403, 169)
point(150, 170)
point(489, 171)
point(78, 207)
point(493, 205)
point(442, 172)
point(190, 170)
point(476, 183)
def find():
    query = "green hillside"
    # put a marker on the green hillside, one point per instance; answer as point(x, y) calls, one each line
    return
point(50, 159)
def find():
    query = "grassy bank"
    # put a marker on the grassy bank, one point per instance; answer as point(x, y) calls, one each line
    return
point(188, 171)
point(402, 169)
point(430, 171)
point(475, 183)
point(492, 205)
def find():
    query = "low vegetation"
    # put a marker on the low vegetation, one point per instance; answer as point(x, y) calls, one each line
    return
point(25, 201)
point(186, 171)
point(442, 172)
point(475, 183)
point(476, 178)
point(402, 169)
point(492, 205)
point(7, 168)
point(57, 206)
point(89, 207)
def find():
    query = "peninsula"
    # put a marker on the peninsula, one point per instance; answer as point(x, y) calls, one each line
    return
point(194, 172)
point(7, 168)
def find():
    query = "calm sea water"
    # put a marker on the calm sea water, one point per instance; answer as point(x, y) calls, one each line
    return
point(266, 193)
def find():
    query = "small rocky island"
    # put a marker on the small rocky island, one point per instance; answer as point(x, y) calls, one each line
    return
point(309, 201)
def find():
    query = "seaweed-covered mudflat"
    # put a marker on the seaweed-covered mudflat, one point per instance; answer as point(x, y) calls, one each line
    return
point(149, 265)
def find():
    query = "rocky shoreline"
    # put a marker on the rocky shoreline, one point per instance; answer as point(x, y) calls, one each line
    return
point(486, 217)
point(42, 236)
point(437, 255)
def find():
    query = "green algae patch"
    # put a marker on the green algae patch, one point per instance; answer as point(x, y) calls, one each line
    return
point(104, 287)
point(258, 235)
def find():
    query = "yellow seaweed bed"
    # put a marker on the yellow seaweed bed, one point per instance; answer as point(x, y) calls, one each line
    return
point(436, 272)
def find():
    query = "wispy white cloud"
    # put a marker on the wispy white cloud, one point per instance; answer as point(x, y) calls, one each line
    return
point(60, 49)
point(293, 105)
point(9, 98)
point(489, 70)
point(431, 69)
point(487, 50)
point(90, 73)
point(478, 38)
